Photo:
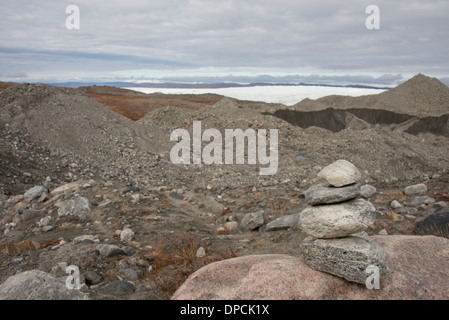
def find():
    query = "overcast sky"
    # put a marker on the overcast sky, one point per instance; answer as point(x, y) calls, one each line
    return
point(226, 40)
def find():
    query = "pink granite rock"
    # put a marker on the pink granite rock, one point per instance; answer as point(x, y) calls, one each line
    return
point(420, 270)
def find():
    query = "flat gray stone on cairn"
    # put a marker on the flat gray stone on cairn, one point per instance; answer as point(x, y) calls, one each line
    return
point(340, 173)
point(322, 194)
point(347, 257)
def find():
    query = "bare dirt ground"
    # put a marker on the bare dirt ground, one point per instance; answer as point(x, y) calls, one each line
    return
point(113, 144)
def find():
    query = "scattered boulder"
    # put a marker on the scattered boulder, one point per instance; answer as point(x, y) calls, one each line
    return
point(37, 285)
point(129, 251)
point(338, 220)
point(92, 278)
point(130, 274)
point(419, 200)
point(35, 193)
point(118, 288)
point(395, 204)
point(109, 250)
point(340, 173)
point(231, 226)
point(30, 214)
point(367, 191)
point(127, 234)
point(19, 207)
point(66, 188)
point(200, 253)
point(253, 220)
point(47, 228)
point(212, 205)
point(394, 216)
point(104, 203)
point(283, 223)
point(416, 190)
point(76, 206)
point(440, 205)
point(86, 238)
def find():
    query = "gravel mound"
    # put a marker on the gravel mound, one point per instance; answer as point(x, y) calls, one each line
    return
point(69, 123)
point(420, 96)
point(391, 144)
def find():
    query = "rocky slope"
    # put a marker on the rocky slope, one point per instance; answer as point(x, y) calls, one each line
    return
point(111, 202)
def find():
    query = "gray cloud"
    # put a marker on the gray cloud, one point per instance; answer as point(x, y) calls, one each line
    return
point(287, 37)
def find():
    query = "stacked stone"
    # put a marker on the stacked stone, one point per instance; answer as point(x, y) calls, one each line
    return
point(334, 215)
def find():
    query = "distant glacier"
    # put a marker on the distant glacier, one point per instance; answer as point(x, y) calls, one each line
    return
point(287, 95)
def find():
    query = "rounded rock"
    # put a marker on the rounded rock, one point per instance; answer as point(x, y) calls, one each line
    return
point(127, 234)
point(340, 173)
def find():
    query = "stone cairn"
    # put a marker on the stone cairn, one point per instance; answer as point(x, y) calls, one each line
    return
point(335, 214)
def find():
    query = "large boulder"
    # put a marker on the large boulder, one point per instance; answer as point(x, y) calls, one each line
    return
point(419, 270)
